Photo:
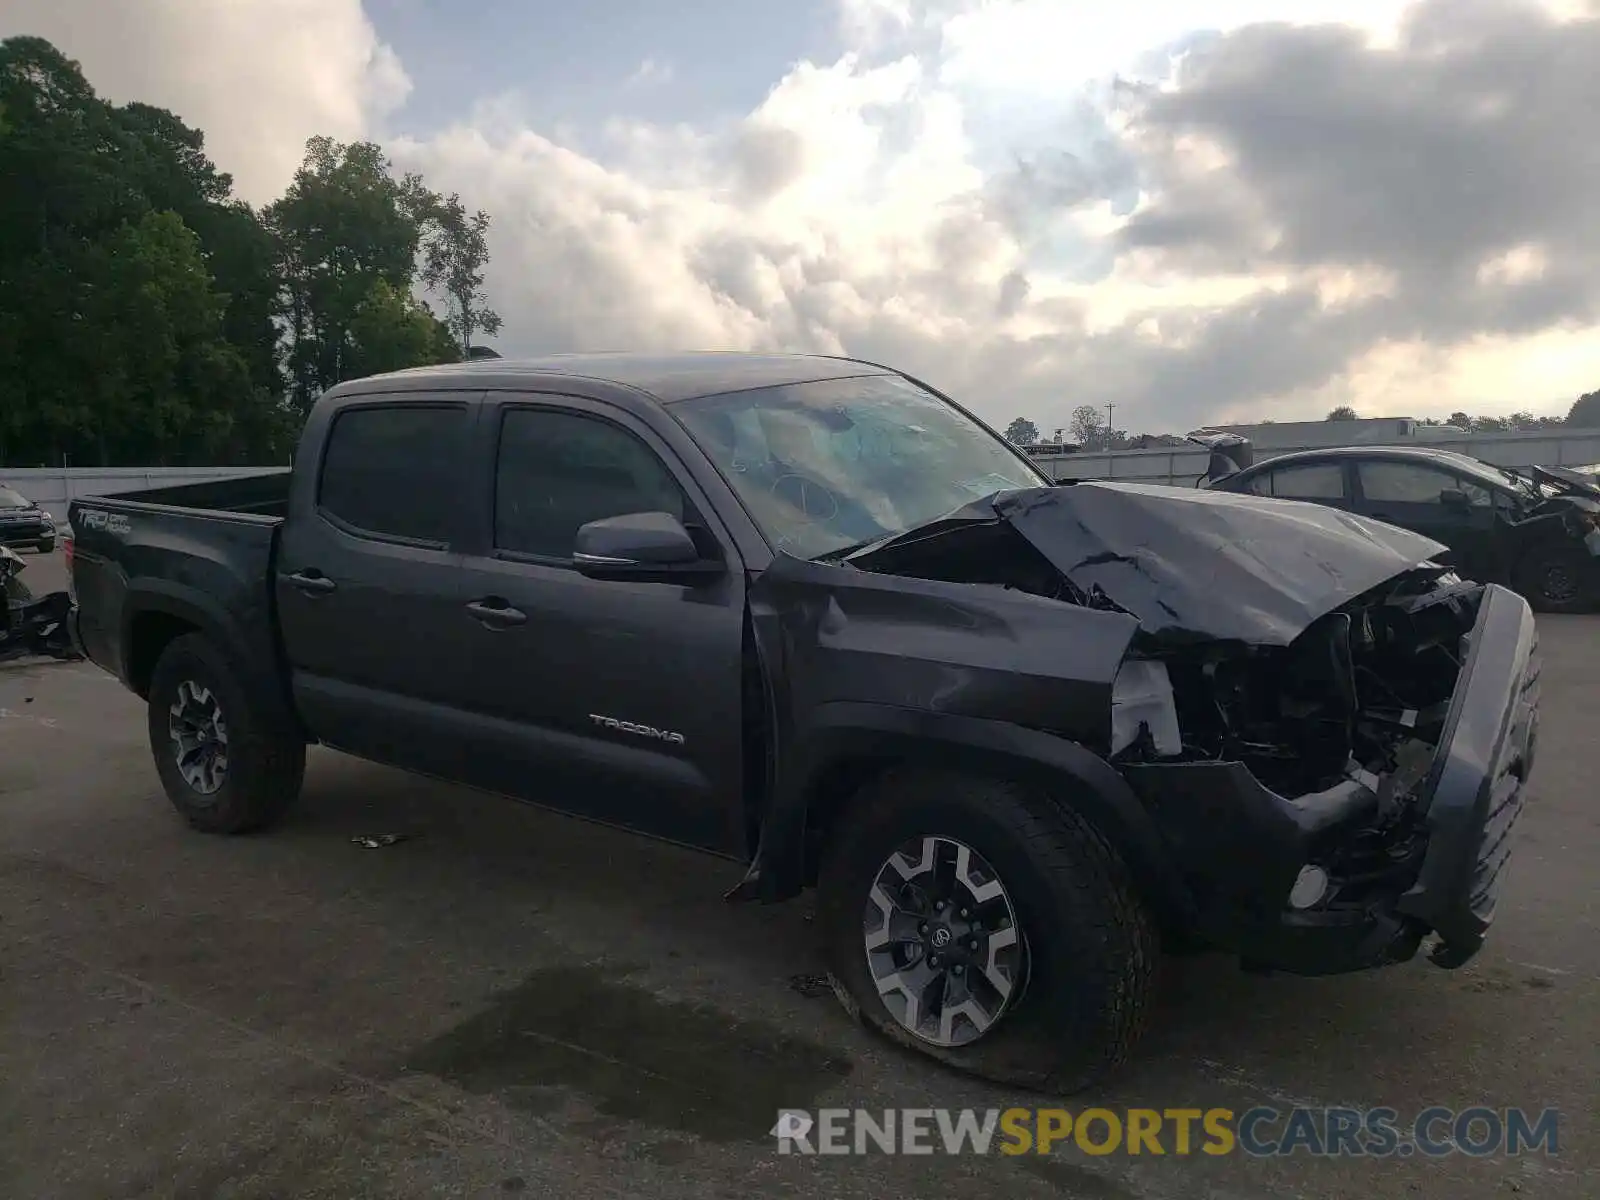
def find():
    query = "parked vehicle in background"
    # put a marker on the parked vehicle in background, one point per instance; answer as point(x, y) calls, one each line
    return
point(24, 523)
point(1537, 531)
point(808, 614)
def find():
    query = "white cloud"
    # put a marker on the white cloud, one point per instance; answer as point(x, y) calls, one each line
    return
point(650, 73)
point(258, 76)
point(856, 210)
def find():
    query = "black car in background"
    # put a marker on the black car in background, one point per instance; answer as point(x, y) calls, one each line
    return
point(1537, 531)
point(24, 523)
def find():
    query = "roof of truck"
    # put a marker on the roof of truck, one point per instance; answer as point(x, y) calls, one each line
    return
point(668, 378)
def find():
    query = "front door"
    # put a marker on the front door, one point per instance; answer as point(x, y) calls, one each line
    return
point(1435, 502)
point(621, 701)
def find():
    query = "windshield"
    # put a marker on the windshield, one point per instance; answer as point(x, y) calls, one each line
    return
point(12, 499)
point(829, 466)
point(1489, 473)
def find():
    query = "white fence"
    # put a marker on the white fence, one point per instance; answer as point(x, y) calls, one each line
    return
point(1184, 467)
point(54, 487)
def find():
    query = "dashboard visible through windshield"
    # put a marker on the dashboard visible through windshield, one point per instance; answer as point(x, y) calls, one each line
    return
point(828, 466)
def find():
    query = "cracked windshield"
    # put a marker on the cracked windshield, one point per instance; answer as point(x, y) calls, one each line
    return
point(828, 467)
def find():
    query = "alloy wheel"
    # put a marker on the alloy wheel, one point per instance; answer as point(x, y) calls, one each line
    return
point(199, 737)
point(943, 944)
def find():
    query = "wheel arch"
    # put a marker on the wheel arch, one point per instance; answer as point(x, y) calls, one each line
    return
point(849, 745)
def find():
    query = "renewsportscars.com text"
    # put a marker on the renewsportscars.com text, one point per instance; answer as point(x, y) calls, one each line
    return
point(1260, 1132)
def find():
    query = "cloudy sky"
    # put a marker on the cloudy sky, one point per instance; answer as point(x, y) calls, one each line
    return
point(1195, 209)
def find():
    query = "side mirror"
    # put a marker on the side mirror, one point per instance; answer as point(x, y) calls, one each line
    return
point(1454, 498)
point(647, 547)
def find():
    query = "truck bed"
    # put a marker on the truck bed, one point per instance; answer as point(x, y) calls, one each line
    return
point(198, 555)
point(266, 494)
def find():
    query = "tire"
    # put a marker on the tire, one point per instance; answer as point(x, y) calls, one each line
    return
point(46, 545)
point(1554, 581)
point(262, 764)
point(1082, 985)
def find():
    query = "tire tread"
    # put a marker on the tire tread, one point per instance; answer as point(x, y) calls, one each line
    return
point(1092, 887)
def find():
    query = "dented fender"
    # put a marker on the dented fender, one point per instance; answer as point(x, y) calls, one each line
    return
point(865, 667)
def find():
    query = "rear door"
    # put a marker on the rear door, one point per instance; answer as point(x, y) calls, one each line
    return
point(621, 701)
point(1411, 495)
point(369, 586)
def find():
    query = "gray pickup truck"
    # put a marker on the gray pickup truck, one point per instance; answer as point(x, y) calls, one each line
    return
point(808, 614)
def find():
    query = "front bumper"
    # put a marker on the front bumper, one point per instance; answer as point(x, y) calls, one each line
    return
point(26, 533)
point(1241, 845)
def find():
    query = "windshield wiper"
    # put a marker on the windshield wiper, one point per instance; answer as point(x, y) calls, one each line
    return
point(846, 551)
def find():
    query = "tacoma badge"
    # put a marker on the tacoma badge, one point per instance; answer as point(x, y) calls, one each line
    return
point(649, 731)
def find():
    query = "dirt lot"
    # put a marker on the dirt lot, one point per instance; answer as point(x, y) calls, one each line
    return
point(515, 1002)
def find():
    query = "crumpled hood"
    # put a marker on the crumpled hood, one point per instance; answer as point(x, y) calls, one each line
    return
point(1565, 477)
point(1195, 565)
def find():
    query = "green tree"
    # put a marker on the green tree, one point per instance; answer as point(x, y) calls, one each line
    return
point(168, 383)
point(59, 195)
point(1022, 432)
point(1086, 424)
point(167, 161)
point(1585, 411)
point(146, 315)
point(391, 330)
point(455, 249)
point(345, 224)
point(1343, 413)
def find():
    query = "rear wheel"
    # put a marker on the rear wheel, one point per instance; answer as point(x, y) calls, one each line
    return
point(984, 924)
point(1555, 581)
point(226, 765)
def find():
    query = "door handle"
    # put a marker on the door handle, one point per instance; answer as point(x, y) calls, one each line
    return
point(496, 613)
point(312, 582)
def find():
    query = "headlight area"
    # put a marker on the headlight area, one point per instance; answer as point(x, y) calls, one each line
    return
point(1291, 782)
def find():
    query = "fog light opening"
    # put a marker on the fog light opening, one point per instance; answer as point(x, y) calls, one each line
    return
point(1310, 888)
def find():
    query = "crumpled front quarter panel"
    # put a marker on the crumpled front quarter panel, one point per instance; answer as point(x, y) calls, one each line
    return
point(838, 633)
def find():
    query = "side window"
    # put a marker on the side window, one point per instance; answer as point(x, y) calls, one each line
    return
point(1404, 483)
point(556, 471)
point(388, 472)
point(1313, 481)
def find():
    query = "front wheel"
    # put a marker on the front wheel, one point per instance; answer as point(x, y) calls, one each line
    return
point(226, 765)
point(46, 545)
point(1555, 581)
point(988, 926)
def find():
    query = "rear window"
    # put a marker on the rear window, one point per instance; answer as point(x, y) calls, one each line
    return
point(391, 472)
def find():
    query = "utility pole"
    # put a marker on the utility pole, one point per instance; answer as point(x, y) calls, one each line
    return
point(1109, 407)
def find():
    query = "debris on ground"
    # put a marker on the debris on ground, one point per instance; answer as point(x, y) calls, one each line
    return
point(811, 986)
point(379, 841)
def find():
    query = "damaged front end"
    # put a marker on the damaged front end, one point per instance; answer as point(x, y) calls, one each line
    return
point(1334, 801)
point(1332, 732)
